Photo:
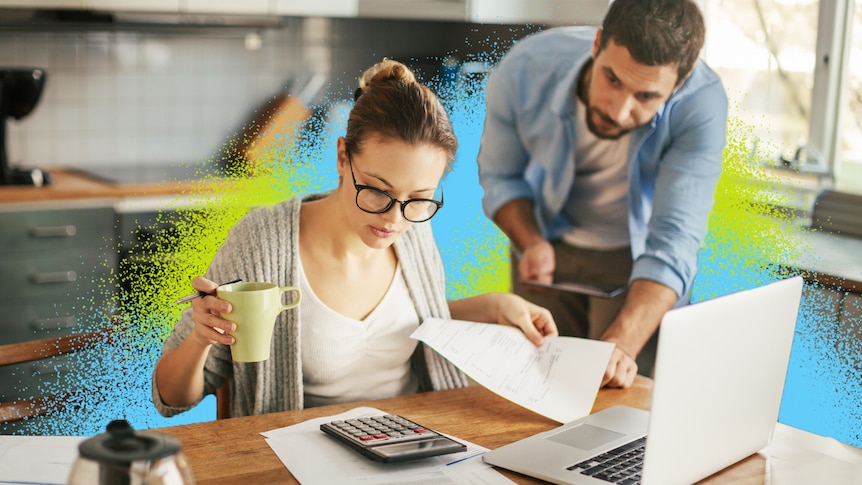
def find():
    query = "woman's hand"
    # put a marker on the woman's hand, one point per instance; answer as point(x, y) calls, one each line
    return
point(209, 327)
point(536, 322)
point(506, 309)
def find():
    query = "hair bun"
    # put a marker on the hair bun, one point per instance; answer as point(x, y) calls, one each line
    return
point(385, 70)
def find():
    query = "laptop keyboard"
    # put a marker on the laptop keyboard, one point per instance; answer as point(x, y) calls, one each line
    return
point(622, 465)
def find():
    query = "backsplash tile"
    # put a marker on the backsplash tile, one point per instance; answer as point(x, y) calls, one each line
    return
point(175, 96)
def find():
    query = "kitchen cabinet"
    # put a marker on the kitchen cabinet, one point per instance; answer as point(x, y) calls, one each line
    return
point(319, 8)
point(245, 7)
point(552, 12)
point(850, 327)
point(56, 260)
point(43, 3)
point(834, 310)
point(167, 6)
point(826, 303)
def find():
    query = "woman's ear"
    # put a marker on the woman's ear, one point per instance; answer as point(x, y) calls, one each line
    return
point(341, 152)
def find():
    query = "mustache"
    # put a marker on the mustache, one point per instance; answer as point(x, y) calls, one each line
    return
point(607, 119)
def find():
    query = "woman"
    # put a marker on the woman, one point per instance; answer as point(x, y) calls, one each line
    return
point(366, 264)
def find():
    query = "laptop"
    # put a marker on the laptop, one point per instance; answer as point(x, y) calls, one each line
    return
point(719, 376)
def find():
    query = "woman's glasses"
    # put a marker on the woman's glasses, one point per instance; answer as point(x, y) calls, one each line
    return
point(376, 201)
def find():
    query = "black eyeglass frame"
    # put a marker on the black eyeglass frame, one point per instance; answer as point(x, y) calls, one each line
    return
point(392, 200)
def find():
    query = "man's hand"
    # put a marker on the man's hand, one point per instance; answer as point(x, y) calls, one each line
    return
point(646, 304)
point(538, 263)
point(621, 370)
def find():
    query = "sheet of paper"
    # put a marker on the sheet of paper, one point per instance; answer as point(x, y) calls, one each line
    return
point(315, 458)
point(796, 456)
point(559, 380)
point(37, 459)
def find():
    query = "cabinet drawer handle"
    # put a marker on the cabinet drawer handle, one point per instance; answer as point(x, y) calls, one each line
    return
point(67, 230)
point(54, 277)
point(53, 323)
point(44, 368)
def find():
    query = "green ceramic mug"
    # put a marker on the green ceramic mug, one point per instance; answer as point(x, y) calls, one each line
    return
point(255, 308)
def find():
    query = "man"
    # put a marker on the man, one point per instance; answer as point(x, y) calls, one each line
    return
point(599, 158)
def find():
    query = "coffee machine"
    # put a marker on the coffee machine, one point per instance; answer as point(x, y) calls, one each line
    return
point(20, 90)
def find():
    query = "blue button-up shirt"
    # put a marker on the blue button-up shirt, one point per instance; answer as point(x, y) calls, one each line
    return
point(527, 151)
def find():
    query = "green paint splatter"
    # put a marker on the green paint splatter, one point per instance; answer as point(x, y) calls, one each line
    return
point(750, 237)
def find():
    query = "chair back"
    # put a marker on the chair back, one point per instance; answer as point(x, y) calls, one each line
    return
point(19, 353)
point(223, 401)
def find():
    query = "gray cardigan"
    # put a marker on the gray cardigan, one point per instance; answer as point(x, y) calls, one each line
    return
point(263, 246)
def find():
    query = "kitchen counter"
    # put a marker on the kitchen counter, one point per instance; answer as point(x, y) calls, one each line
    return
point(70, 185)
point(830, 254)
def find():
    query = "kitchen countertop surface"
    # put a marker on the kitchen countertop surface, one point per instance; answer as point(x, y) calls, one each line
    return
point(831, 254)
point(69, 185)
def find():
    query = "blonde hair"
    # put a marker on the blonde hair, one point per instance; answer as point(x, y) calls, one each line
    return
point(390, 102)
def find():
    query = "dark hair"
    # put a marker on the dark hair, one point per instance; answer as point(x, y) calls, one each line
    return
point(391, 103)
point(656, 32)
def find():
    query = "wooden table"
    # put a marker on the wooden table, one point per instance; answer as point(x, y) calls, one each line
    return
point(231, 451)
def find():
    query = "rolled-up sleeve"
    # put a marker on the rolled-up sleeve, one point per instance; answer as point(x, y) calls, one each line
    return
point(217, 366)
point(684, 190)
point(231, 261)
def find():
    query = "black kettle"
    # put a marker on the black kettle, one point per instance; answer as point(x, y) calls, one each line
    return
point(123, 456)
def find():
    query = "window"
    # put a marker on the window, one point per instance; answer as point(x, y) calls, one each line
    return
point(793, 73)
point(848, 170)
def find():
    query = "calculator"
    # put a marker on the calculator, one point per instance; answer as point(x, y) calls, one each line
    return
point(391, 438)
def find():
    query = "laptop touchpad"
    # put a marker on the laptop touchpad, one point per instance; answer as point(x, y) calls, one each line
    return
point(585, 436)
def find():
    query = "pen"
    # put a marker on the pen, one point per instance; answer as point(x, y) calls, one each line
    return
point(201, 293)
point(474, 455)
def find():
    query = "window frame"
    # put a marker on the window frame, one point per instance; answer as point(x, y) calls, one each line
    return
point(834, 34)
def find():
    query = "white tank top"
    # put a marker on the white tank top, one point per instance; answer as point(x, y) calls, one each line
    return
point(345, 360)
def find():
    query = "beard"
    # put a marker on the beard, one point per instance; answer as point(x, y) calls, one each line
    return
point(619, 132)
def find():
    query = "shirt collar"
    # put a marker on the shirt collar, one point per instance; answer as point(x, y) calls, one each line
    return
point(564, 94)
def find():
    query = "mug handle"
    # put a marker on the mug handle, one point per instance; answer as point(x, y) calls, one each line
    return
point(284, 289)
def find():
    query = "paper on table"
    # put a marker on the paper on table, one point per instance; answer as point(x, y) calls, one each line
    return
point(315, 458)
point(796, 456)
point(37, 459)
point(559, 380)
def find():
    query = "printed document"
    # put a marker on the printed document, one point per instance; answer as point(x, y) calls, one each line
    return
point(314, 457)
point(559, 380)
